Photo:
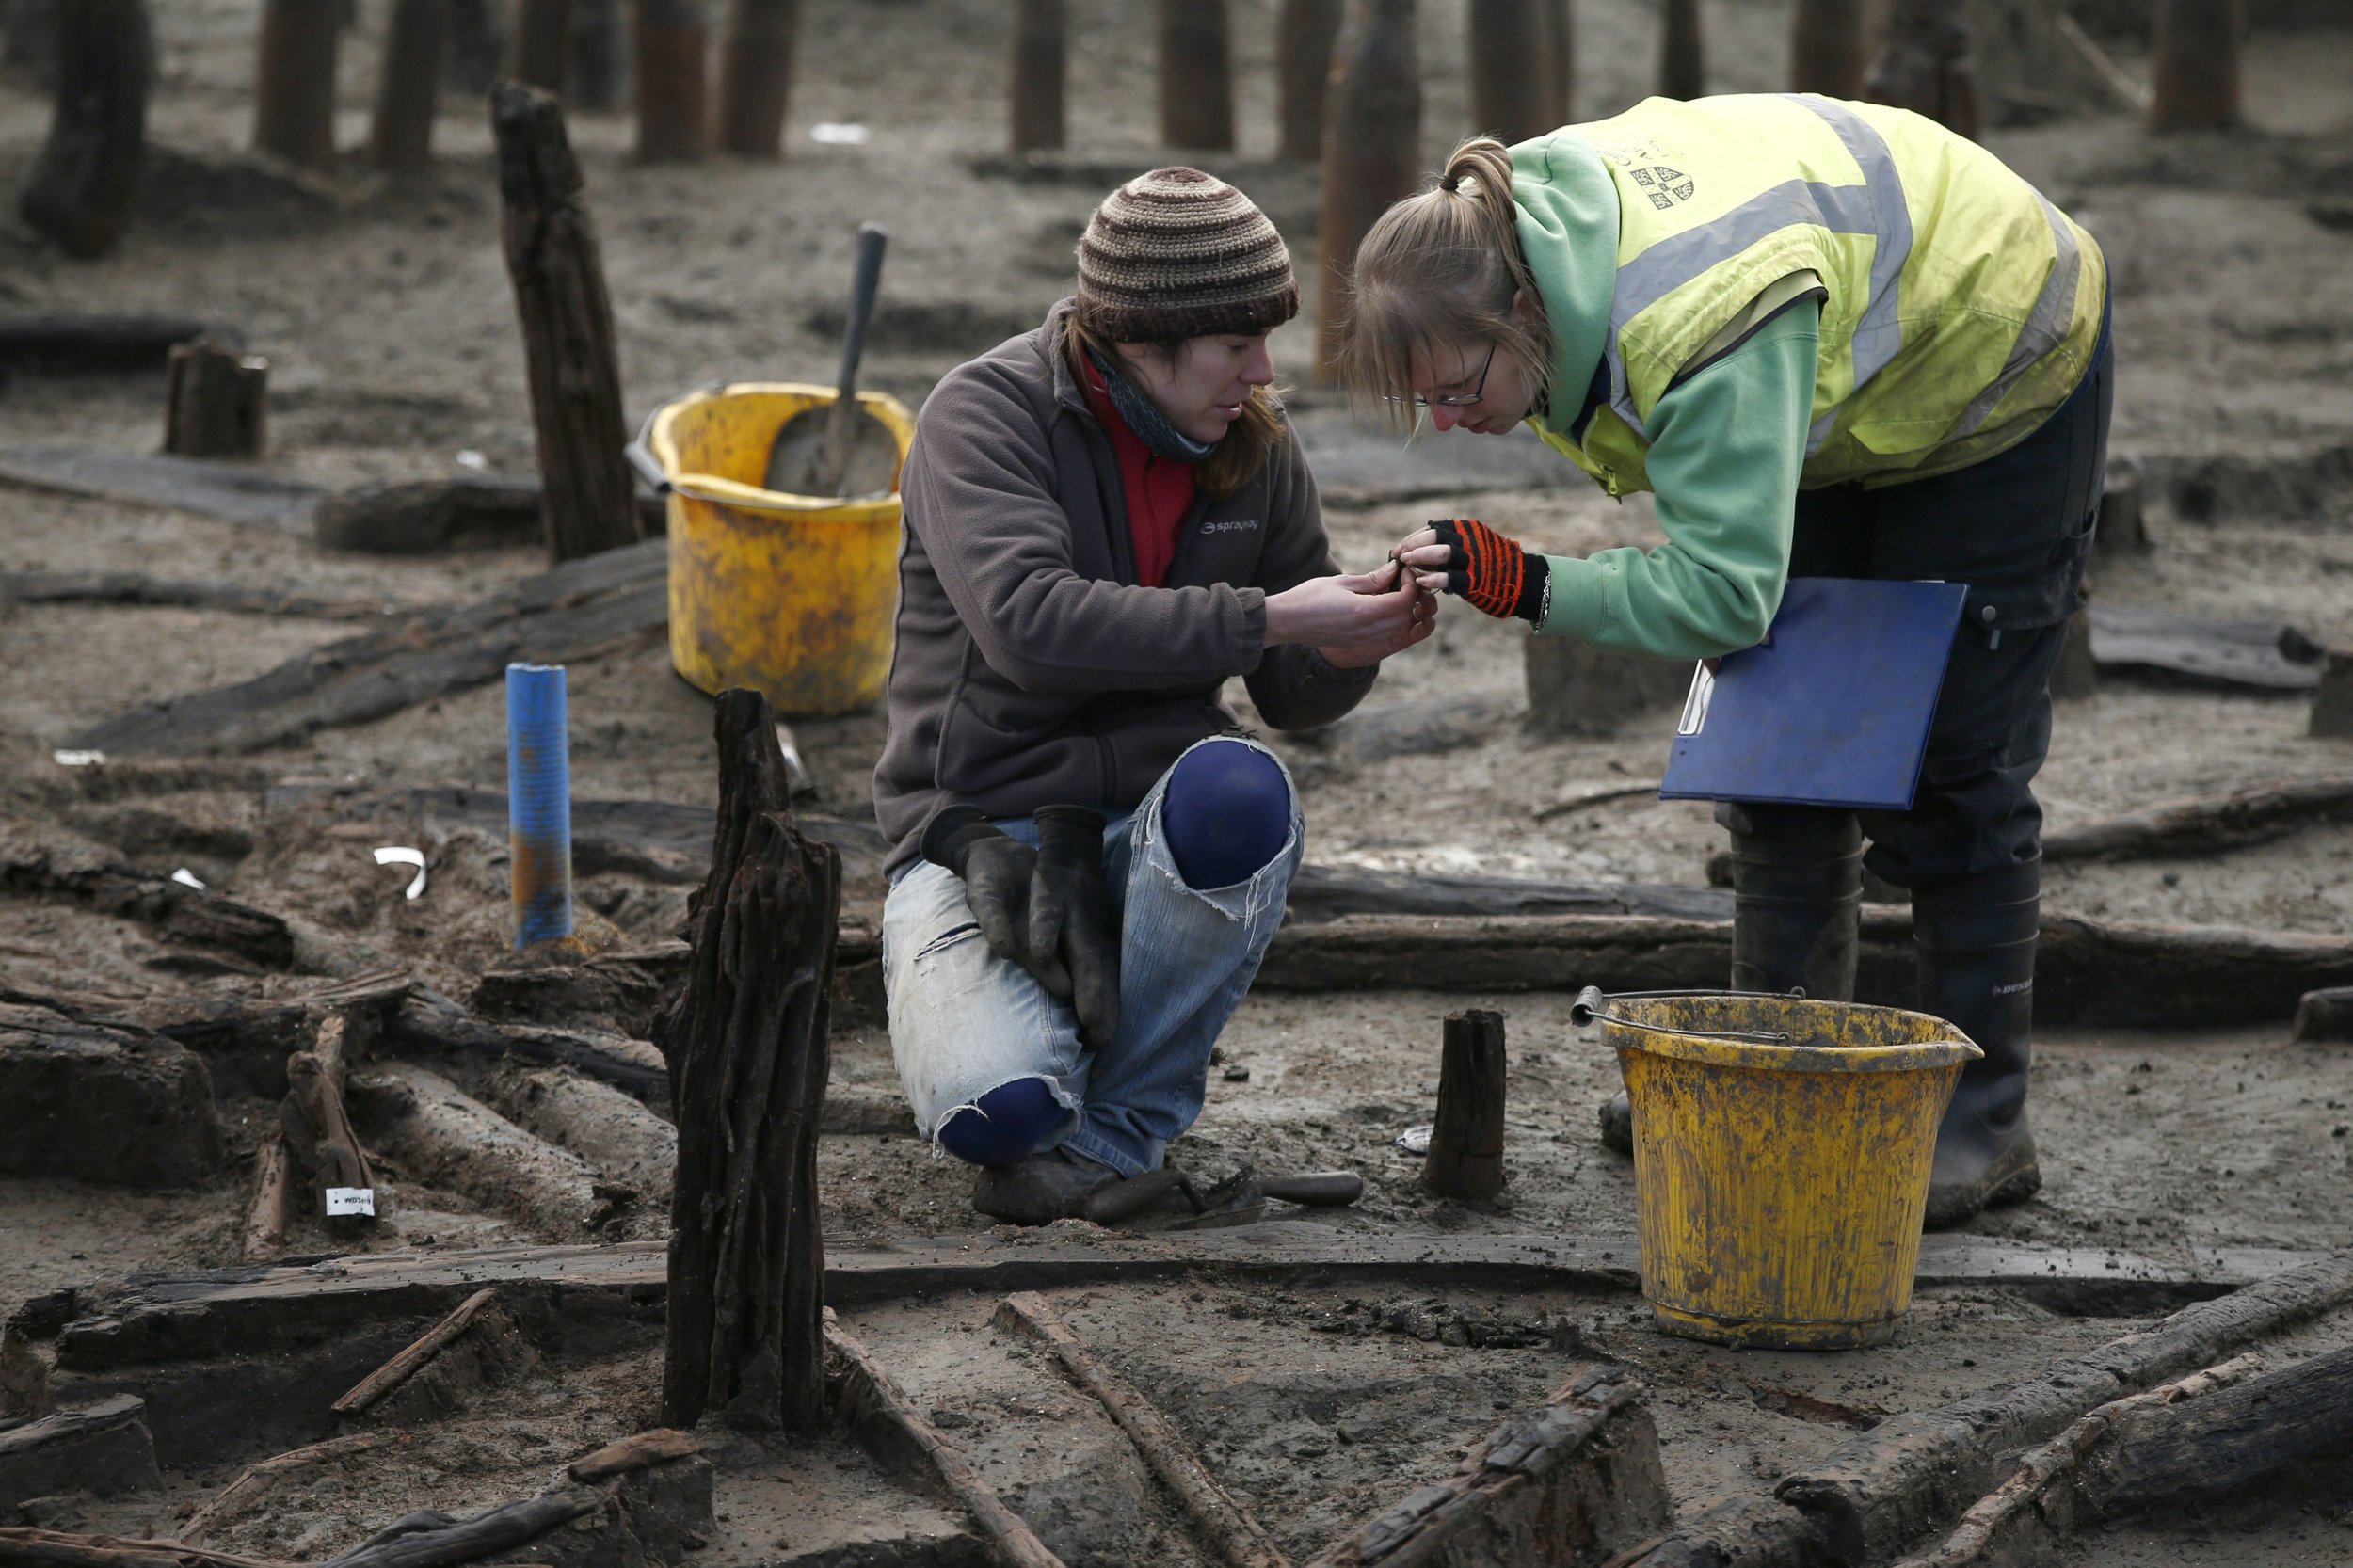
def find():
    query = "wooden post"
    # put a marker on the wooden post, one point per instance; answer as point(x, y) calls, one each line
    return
point(1508, 79)
point(1682, 58)
point(552, 256)
point(1371, 149)
point(1924, 66)
point(317, 1128)
point(1303, 64)
point(1555, 24)
point(294, 88)
point(2195, 68)
point(402, 139)
point(87, 173)
point(599, 63)
point(1196, 75)
point(1826, 47)
point(672, 43)
point(539, 50)
point(30, 46)
point(475, 49)
point(746, 1043)
point(1041, 64)
point(2332, 699)
point(756, 76)
point(214, 406)
point(1465, 1159)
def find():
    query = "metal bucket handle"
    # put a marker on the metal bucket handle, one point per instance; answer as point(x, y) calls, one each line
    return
point(1592, 1003)
point(640, 455)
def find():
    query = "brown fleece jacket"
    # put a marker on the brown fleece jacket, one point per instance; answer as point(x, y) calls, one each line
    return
point(1030, 669)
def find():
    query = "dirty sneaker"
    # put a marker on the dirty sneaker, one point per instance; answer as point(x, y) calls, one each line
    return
point(1039, 1189)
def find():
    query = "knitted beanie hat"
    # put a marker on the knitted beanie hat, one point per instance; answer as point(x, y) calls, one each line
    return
point(1177, 253)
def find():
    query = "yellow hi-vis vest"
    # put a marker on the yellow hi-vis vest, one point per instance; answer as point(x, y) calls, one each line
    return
point(1961, 308)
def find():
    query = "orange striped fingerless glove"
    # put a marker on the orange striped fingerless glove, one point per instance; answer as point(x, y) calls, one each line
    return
point(1494, 573)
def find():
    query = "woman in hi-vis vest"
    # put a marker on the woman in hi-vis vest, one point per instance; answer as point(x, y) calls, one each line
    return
point(1836, 341)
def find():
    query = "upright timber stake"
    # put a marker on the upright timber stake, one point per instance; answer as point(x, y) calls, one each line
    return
point(2197, 86)
point(539, 51)
point(1682, 57)
point(597, 59)
point(756, 76)
point(402, 140)
point(1041, 65)
point(214, 404)
point(1196, 75)
point(294, 88)
point(1465, 1158)
point(745, 1040)
point(1371, 149)
point(1826, 48)
point(587, 491)
point(83, 182)
point(1925, 65)
point(317, 1128)
point(1507, 80)
point(672, 42)
point(1303, 64)
point(1556, 27)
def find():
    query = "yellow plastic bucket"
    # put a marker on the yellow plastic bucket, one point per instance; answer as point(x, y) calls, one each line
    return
point(790, 594)
point(1782, 1150)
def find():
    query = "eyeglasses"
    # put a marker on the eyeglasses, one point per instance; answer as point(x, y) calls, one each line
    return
point(1461, 400)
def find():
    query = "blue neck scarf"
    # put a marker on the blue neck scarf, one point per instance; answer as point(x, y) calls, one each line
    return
point(1144, 418)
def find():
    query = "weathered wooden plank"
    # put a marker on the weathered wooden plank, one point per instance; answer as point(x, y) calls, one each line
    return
point(2206, 825)
point(554, 617)
point(229, 490)
point(2251, 654)
point(2161, 1453)
point(1327, 892)
point(103, 1447)
point(138, 587)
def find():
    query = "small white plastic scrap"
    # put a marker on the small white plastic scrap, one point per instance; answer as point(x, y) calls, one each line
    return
point(833, 132)
point(351, 1200)
point(400, 854)
point(186, 878)
point(470, 458)
point(78, 759)
point(1416, 1140)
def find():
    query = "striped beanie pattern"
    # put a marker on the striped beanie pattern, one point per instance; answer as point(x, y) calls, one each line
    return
point(1177, 253)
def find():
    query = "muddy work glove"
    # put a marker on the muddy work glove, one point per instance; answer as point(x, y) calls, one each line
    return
point(1494, 573)
point(996, 870)
point(1074, 931)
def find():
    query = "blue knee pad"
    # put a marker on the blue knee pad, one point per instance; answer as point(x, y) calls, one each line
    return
point(1000, 1127)
point(1226, 813)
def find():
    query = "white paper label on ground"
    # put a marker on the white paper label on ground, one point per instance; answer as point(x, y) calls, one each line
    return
point(399, 855)
point(186, 878)
point(79, 758)
point(351, 1200)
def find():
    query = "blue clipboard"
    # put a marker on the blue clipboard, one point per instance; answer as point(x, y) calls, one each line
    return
point(1831, 708)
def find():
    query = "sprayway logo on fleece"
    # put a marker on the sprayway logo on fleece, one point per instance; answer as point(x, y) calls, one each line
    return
point(1230, 526)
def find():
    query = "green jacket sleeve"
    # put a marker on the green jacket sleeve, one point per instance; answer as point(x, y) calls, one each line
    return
point(1726, 448)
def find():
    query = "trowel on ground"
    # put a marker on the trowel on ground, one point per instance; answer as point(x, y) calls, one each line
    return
point(838, 448)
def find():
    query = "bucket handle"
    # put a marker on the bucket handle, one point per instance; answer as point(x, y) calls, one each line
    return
point(1592, 1003)
point(639, 455)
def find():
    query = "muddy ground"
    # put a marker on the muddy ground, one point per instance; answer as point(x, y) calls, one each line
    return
point(385, 312)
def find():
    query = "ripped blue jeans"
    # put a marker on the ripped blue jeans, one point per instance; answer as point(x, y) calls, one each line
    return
point(964, 1020)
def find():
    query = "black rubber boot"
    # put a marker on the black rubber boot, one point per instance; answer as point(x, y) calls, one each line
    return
point(1976, 941)
point(1796, 897)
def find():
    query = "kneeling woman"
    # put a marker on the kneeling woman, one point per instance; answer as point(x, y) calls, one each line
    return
point(1105, 519)
point(1836, 341)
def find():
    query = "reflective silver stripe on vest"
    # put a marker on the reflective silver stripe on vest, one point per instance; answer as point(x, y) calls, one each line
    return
point(2046, 325)
point(1876, 207)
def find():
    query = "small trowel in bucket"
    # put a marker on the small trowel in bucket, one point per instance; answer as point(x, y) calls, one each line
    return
point(838, 448)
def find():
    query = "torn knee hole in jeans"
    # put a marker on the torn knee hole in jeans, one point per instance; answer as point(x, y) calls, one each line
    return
point(949, 937)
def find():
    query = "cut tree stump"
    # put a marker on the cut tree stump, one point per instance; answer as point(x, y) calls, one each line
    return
point(540, 48)
point(1576, 689)
point(673, 44)
point(1465, 1159)
point(1681, 52)
point(102, 1449)
point(1573, 1482)
point(294, 88)
point(558, 275)
point(1041, 68)
point(746, 1045)
point(559, 617)
point(317, 1130)
point(1508, 87)
point(1304, 36)
point(1197, 56)
point(2196, 70)
point(216, 401)
point(2332, 697)
point(1924, 65)
point(104, 1104)
point(400, 140)
point(1826, 48)
point(756, 75)
point(1371, 149)
point(87, 176)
